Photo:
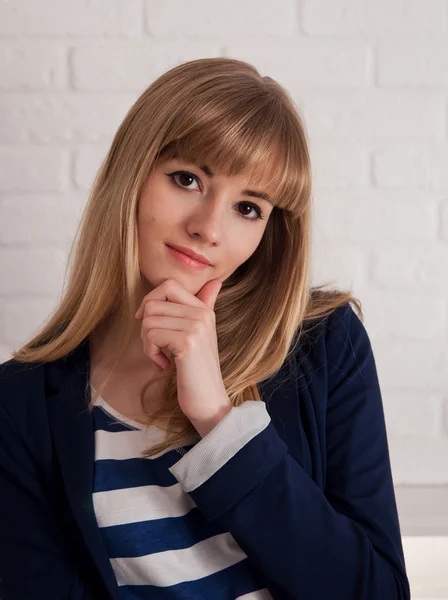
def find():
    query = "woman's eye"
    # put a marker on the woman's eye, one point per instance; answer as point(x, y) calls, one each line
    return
point(183, 179)
point(255, 208)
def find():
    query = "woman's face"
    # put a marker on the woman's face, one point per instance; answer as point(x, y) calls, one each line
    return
point(211, 215)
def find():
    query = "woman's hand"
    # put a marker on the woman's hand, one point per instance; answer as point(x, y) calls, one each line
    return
point(174, 319)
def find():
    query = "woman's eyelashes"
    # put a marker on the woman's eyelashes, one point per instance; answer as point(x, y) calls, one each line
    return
point(176, 176)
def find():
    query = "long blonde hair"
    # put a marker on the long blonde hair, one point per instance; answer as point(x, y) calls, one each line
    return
point(222, 112)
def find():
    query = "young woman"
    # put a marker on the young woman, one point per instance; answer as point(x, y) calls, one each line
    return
point(198, 429)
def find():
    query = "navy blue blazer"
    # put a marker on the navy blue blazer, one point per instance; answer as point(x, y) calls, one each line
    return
point(323, 459)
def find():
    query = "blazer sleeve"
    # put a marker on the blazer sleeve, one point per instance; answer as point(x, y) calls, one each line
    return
point(343, 543)
point(34, 558)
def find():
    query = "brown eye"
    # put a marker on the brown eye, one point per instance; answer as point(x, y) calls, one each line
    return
point(254, 207)
point(184, 178)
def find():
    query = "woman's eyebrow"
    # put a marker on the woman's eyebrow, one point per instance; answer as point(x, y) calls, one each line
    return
point(253, 193)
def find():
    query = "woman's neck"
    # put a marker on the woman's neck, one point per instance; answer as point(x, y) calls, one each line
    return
point(104, 344)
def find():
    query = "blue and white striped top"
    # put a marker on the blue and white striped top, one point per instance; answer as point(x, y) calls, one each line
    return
point(160, 544)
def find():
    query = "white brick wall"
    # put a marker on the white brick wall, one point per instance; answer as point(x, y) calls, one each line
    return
point(371, 80)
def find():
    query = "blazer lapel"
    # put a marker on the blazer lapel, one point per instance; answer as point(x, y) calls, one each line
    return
point(73, 436)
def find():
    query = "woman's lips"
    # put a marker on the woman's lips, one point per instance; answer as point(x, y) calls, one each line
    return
point(185, 260)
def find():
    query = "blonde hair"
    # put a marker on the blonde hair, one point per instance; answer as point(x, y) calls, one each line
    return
point(222, 112)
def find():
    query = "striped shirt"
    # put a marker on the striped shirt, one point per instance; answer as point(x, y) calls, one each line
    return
point(159, 543)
